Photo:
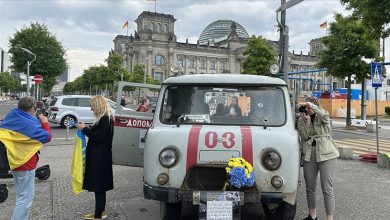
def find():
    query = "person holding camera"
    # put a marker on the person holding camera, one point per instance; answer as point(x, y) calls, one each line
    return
point(23, 135)
point(319, 153)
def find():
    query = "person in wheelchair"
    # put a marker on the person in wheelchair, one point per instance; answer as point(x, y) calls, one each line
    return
point(23, 135)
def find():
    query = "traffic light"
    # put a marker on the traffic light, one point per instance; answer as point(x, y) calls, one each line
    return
point(384, 75)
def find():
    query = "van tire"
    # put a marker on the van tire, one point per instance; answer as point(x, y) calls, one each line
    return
point(285, 211)
point(170, 211)
point(67, 118)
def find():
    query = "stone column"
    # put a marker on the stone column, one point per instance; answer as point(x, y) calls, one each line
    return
point(197, 65)
point(207, 65)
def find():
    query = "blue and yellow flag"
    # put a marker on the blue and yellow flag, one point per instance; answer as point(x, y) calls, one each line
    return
point(23, 136)
point(78, 163)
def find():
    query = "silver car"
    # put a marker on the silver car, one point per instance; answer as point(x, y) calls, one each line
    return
point(70, 109)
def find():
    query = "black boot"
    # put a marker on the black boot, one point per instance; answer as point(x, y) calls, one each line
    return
point(310, 218)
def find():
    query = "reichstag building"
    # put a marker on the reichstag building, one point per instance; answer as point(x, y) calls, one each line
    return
point(218, 50)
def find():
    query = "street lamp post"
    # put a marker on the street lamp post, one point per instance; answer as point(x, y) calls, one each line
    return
point(28, 68)
point(283, 42)
point(146, 68)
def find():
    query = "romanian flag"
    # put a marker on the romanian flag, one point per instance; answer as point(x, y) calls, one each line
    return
point(22, 136)
point(78, 163)
point(125, 25)
point(324, 25)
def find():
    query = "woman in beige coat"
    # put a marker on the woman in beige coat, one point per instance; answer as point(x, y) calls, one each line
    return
point(319, 155)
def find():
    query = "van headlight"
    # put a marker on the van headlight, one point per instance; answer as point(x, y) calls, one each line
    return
point(271, 160)
point(168, 157)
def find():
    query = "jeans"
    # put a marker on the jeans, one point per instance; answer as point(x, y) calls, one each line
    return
point(24, 189)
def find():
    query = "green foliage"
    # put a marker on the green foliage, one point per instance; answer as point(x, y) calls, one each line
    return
point(50, 54)
point(259, 56)
point(100, 75)
point(346, 45)
point(374, 13)
point(387, 110)
point(9, 83)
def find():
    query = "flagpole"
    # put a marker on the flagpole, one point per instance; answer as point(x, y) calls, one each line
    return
point(127, 30)
point(155, 6)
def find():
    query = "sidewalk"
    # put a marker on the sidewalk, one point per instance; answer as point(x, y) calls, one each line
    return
point(339, 126)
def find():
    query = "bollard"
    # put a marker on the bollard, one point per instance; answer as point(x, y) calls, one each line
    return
point(67, 132)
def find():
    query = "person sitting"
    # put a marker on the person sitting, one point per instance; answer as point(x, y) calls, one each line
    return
point(144, 105)
point(220, 110)
point(233, 109)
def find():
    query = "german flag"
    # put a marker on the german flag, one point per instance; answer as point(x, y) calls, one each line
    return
point(125, 25)
point(22, 136)
point(324, 25)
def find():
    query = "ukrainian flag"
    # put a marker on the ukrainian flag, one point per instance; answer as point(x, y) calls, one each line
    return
point(23, 136)
point(78, 163)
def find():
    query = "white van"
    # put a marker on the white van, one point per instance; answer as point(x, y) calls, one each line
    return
point(184, 146)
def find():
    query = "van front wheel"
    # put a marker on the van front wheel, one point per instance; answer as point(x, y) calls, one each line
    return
point(170, 211)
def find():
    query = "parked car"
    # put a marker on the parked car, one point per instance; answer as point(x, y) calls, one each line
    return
point(68, 110)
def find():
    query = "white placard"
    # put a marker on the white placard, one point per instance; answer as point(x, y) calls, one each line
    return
point(142, 133)
point(219, 210)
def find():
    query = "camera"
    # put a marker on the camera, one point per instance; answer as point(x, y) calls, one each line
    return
point(302, 109)
point(41, 111)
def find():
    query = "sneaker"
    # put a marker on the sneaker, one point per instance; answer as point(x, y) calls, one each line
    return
point(310, 218)
point(92, 216)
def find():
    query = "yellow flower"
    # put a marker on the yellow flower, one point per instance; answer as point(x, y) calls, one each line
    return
point(228, 169)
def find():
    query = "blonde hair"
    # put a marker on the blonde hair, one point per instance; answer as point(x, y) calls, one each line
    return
point(100, 108)
point(313, 100)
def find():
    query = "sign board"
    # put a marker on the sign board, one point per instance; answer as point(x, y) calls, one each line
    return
point(376, 74)
point(31, 82)
point(220, 205)
point(38, 79)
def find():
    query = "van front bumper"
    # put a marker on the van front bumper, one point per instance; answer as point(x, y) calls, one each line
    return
point(174, 195)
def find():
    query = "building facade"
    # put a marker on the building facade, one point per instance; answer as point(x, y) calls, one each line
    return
point(5, 62)
point(61, 80)
point(218, 50)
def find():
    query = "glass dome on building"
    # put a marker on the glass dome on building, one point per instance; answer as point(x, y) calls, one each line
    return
point(219, 31)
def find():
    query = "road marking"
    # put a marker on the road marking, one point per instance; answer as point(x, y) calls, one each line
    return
point(360, 146)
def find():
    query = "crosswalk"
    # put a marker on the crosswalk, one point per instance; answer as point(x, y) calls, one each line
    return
point(361, 146)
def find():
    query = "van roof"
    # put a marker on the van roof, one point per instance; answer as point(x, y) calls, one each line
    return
point(224, 79)
point(74, 96)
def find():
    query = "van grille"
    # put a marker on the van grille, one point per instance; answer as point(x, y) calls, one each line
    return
point(205, 178)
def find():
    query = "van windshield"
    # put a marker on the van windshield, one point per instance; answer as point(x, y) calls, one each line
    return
point(239, 105)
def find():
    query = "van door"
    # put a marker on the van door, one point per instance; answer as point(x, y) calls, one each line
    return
point(130, 127)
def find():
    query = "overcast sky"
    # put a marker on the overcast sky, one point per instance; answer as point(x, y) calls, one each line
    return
point(87, 28)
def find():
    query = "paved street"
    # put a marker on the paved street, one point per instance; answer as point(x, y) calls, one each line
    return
point(362, 189)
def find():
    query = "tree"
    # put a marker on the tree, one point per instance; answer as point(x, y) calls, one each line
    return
point(346, 45)
point(50, 54)
point(9, 83)
point(374, 13)
point(259, 56)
